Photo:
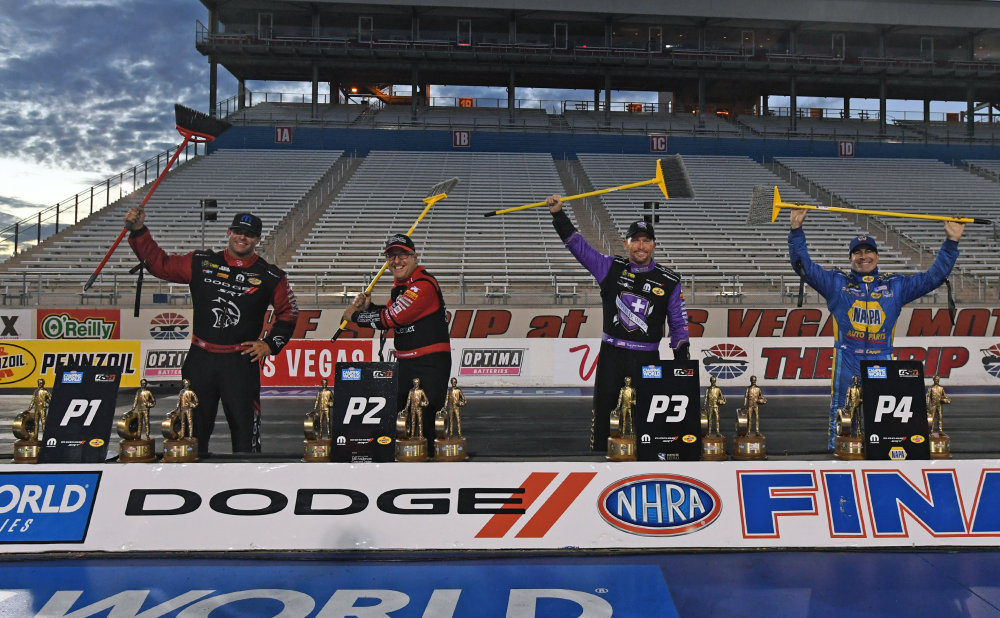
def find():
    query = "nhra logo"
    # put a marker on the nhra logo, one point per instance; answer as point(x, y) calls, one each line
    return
point(909, 373)
point(659, 505)
point(169, 326)
point(725, 361)
point(72, 377)
point(652, 371)
point(49, 508)
point(877, 373)
point(351, 374)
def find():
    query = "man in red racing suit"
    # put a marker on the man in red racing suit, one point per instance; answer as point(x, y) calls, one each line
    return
point(230, 292)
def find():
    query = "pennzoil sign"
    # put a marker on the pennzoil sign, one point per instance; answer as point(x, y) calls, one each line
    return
point(16, 363)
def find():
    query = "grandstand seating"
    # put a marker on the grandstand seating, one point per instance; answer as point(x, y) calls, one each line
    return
point(922, 186)
point(707, 239)
point(827, 128)
point(268, 183)
point(298, 113)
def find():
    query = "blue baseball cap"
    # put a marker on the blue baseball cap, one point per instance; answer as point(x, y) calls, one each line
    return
point(862, 240)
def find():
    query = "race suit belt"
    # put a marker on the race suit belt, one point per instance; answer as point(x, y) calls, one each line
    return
point(644, 346)
point(216, 348)
point(427, 349)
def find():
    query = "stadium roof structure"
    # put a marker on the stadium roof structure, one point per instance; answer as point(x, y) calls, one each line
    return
point(717, 51)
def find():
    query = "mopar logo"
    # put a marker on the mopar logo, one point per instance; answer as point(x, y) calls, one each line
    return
point(46, 507)
point(659, 505)
point(877, 372)
point(72, 377)
point(652, 371)
point(350, 374)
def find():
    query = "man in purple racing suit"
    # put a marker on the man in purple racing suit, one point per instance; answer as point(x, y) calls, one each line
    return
point(864, 303)
point(639, 298)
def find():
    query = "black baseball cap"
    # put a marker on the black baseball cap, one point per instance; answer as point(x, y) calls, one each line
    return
point(640, 226)
point(247, 223)
point(401, 242)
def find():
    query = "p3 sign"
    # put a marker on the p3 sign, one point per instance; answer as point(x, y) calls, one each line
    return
point(895, 409)
point(81, 412)
point(667, 412)
point(363, 417)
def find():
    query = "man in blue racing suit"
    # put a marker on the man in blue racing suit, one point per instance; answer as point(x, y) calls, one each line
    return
point(864, 303)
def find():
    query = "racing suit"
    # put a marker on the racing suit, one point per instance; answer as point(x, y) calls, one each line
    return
point(865, 309)
point(422, 345)
point(638, 301)
point(230, 298)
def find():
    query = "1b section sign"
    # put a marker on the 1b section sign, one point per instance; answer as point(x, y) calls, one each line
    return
point(82, 410)
point(363, 417)
point(892, 394)
point(667, 412)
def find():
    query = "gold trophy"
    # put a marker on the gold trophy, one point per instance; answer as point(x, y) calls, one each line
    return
point(27, 424)
point(180, 445)
point(449, 445)
point(713, 443)
point(133, 425)
point(850, 441)
point(411, 445)
point(939, 441)
point(621, 442)
point(749, 443)
point(316, 446)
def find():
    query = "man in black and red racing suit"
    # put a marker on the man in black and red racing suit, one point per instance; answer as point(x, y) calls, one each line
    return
point(230, 292)
point(417, 315)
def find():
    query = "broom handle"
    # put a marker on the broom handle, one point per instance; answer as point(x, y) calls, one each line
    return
point(568, 198)
point(884, 213)
point(121, 235)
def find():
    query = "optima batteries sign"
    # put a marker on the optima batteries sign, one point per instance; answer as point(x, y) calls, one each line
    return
point(493, 362)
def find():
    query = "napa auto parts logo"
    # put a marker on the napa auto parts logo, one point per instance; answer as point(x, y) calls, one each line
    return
point(659, 505)
point(169, 326)
point(16, 363)
point(77, 324)
point(46, 507)
point(482, 362)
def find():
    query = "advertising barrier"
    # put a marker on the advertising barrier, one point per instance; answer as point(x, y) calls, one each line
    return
point(496, 505)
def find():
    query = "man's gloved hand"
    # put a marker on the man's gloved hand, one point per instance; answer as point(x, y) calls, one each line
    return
point(683, 351)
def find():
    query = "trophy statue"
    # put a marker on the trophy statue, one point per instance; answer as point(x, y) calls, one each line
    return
point(449, 445)
point(412, 446)
point(939, 441)
point(713, 443)
point(133, 425)
point(180, 445)
point(850, 441)
point(27, 424)
point(621, 442)
point(749, 443)
point(316, 446)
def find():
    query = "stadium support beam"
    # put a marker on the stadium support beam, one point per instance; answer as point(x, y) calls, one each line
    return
point(927, 111)
point(970, 110)
point(213, 85)
point(882, 94)
point(511, 88)
point(847, 107)
point(793, 106)
point(315, 91)
point(241, 94)
point(607, 95)
point(414, 88)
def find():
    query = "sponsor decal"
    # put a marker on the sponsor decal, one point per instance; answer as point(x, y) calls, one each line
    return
point(384, 440)
point(917, 439)
point(684, 373)
point(67, 326)
point(659, 291)
point(72, 377)
point(105, 377)
point(96, 443)
point(16, 363)
point(164, 363)
point(897, 453)
point(254, 281)
point(659, 505)
point(866, 316)
point(877, 372)
point(350, 373)
point(725, 361)
point(909, 373)
point(689, 439)
point(383, 375)
point(169, 326)
point(46, 507)
point(482, 361)
point(652, 372)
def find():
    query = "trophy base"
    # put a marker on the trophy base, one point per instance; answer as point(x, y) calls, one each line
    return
point(940, 446)
point(450, 449)
point(182, 450)
point(136, 451)
point(26, 451)
point(750, 448)
point(621, 449)
point(849, 448)
point(316, 450)
point(713, 448)
point(411, 449)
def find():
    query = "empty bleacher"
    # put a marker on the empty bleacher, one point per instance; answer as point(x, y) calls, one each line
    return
point(826, 128)
point(267, 183)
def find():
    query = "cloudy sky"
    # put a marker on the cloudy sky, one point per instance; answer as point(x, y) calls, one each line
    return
point(87, 89)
